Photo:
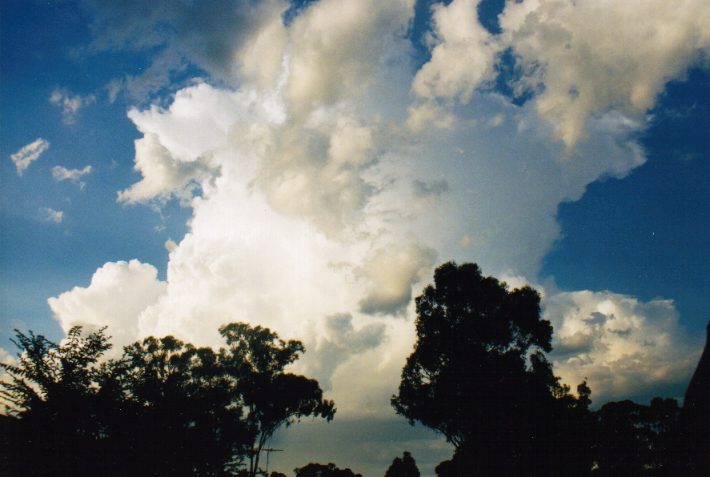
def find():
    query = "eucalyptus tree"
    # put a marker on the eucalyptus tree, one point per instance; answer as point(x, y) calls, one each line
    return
point(479, 375)
point(256, 359)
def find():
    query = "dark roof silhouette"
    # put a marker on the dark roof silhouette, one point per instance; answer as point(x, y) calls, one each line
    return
point(697, 396)
point(695, 418)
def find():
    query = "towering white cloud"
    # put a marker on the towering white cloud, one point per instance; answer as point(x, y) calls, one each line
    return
point(391, 272)
point(314, 170)
point(322, 198)
point(592, 57)
point(116, 296)
point(293, 264)
point(28, 154)
point(338, 47)
point(163, 176)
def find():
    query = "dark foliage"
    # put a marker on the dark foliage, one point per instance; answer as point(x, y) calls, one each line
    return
point(165, 408)
point(183, 402)
point(271, 397)
point(479, 375)
point(637, 440)
point(323, 470)
point(403, 467)
point(60, 425)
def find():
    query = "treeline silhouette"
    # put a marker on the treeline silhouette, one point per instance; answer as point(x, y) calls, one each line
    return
point(478, 374)
point(165, 408)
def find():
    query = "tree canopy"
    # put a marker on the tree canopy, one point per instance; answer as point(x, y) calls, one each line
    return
point(271, 397)
point(164, 408)
point(52, 389)
point(324, 470)
point(479, 375)
point(405, 466)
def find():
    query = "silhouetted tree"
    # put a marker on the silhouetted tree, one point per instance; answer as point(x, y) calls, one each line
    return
point(9, 434)
point(322, 470)
point(165, 408)
point(47, 373)
point(255, 358)
point(638, 440)
point(53, 391)
point(403, 467)
point(479, 375)
point(189, 415)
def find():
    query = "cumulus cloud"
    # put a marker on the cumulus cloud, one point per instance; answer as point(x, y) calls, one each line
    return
point(391, 273)
point(163, 175)
point(362, 238)
point(336, 48)
point(463, 53)
point(314, 205)
point(592, 57)
point(175, 154)
point(429, 114)
point(51, 215)
point(623, 347)
point(70, 103)
point(340, 341)
point(6, 357)
point(116, 296)
point(316, 170)
point(61, 173)
point(28, 154)
point(321, 197)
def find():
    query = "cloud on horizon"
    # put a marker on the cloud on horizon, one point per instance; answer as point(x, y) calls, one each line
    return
point(626, 347)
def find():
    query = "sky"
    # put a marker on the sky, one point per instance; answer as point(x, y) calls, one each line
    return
point(170, 166)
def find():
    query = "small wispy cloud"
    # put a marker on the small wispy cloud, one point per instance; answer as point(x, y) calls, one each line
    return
point(70, 103)
point(28, 154)
point(61, 173)
point(51, 215)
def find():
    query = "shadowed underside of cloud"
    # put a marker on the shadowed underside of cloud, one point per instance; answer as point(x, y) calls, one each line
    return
point(391, 272)
point(328, 191)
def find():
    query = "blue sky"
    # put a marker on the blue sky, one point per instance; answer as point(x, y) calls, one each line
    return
point(41, 259)
point(321, 166)
point(646, 234)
